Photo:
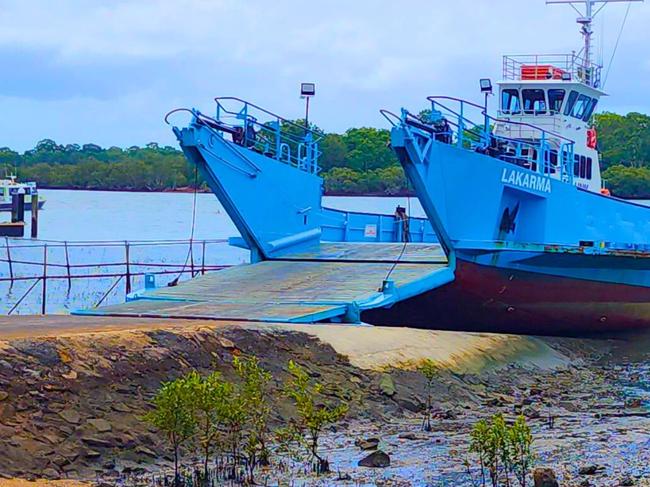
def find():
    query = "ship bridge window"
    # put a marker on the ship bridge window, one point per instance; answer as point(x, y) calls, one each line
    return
point(582, 166)
point(534, 102)
point(580, 107)
point(590, 110)
point(510, 102)
point(573, 96)
point(555, 99)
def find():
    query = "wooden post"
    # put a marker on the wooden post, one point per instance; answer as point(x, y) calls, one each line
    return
point(203, 258)
point(34, 228)
point(67, 264)
point(128, 268)
point(44, 298)
point(11, 267)
point(14, 208)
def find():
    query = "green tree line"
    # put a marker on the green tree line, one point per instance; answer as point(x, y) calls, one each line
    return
point(358, 161)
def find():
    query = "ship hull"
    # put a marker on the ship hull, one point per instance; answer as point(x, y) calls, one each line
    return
point(28, 205)
point(532, 253)
point(492, 298)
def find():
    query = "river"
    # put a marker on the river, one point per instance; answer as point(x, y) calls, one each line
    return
point(106, 217)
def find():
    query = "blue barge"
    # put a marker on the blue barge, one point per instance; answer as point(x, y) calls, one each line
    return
point(520, 233)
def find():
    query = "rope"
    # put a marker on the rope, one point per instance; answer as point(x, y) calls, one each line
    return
point(174, 281)
point(406, 241)
point(618, 39)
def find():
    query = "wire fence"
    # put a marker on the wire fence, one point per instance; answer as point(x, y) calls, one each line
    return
point(48, 276)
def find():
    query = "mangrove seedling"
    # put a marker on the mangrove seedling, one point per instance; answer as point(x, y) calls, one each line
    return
point(173, 416)
point(521, 440)
point(209, 398)
point(254, 393)
point(429, 370)
point(501, 451)
point(312, 416)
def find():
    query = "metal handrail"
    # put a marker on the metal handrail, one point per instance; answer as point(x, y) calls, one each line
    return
point(536, 152)
point(218, 100)
point(573, 64)
point(387, 114)
point(280, 147)
point(494, 119)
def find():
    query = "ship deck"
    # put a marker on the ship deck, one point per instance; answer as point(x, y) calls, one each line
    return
point(332, 281)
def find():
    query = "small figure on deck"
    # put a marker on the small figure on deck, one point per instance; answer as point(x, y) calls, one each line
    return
point(400, 214)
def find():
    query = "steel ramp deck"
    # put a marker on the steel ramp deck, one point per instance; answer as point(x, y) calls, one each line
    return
point(332, 282)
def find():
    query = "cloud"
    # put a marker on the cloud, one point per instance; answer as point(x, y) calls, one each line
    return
point(130, 61)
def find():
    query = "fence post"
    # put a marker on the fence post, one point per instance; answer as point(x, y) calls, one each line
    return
point(203, 258)
point(11, 267)
point(34, 211)
point(67, 264)
point(128, 268)
point(44, 298)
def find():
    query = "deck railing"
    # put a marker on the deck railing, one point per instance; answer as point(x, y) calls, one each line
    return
point(452, 120)
point(46, 275)
point(271, 134)
point(566, 67)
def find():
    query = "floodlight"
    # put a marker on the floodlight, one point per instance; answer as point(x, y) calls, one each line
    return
point(486, 85)
point(307, 89)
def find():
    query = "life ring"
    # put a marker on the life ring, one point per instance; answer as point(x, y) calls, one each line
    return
point(605, 192)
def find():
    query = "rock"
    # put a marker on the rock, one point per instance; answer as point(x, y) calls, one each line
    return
point(92, 454)
point(3, 395)
point(70, 416)
point(92, 441)
point(411, 404)
point(59, 460)
point(72, 375)
point(626, 481)
point(589, 469)
point(377, 459)
point(45, 352)
point(6, 431)
point(344, 477)
point(226, 343)
point(530, 412)
point(544, 477)
point(120, 407)
point(101, 425)
point(387, 386)
point(146, 451)
point(6, 411)
point(51, 473)
point(367, 444)
point(52, 438)
point(408, 436)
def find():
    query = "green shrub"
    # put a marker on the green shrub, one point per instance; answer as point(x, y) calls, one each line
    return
point(312, 416)
point(430, 371)
point(173, 415)
point(500, 452)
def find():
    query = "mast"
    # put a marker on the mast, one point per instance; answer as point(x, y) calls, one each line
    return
point(586, 19)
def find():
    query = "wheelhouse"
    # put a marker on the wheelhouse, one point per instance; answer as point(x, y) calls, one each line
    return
point(559, 93)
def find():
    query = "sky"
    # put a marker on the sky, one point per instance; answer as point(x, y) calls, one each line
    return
point(107, 71)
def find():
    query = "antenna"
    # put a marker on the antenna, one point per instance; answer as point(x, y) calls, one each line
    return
point(586, 18)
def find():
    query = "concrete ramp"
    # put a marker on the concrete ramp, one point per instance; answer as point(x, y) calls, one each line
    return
point(332, 282)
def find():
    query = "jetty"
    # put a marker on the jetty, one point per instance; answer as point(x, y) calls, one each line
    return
point(336, 282)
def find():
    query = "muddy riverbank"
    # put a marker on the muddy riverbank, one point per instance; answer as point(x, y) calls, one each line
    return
point(73, 391)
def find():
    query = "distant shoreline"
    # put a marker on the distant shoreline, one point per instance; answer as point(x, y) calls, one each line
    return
point(401, 194)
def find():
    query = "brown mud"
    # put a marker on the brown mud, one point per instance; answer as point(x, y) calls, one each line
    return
point(73, 391)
